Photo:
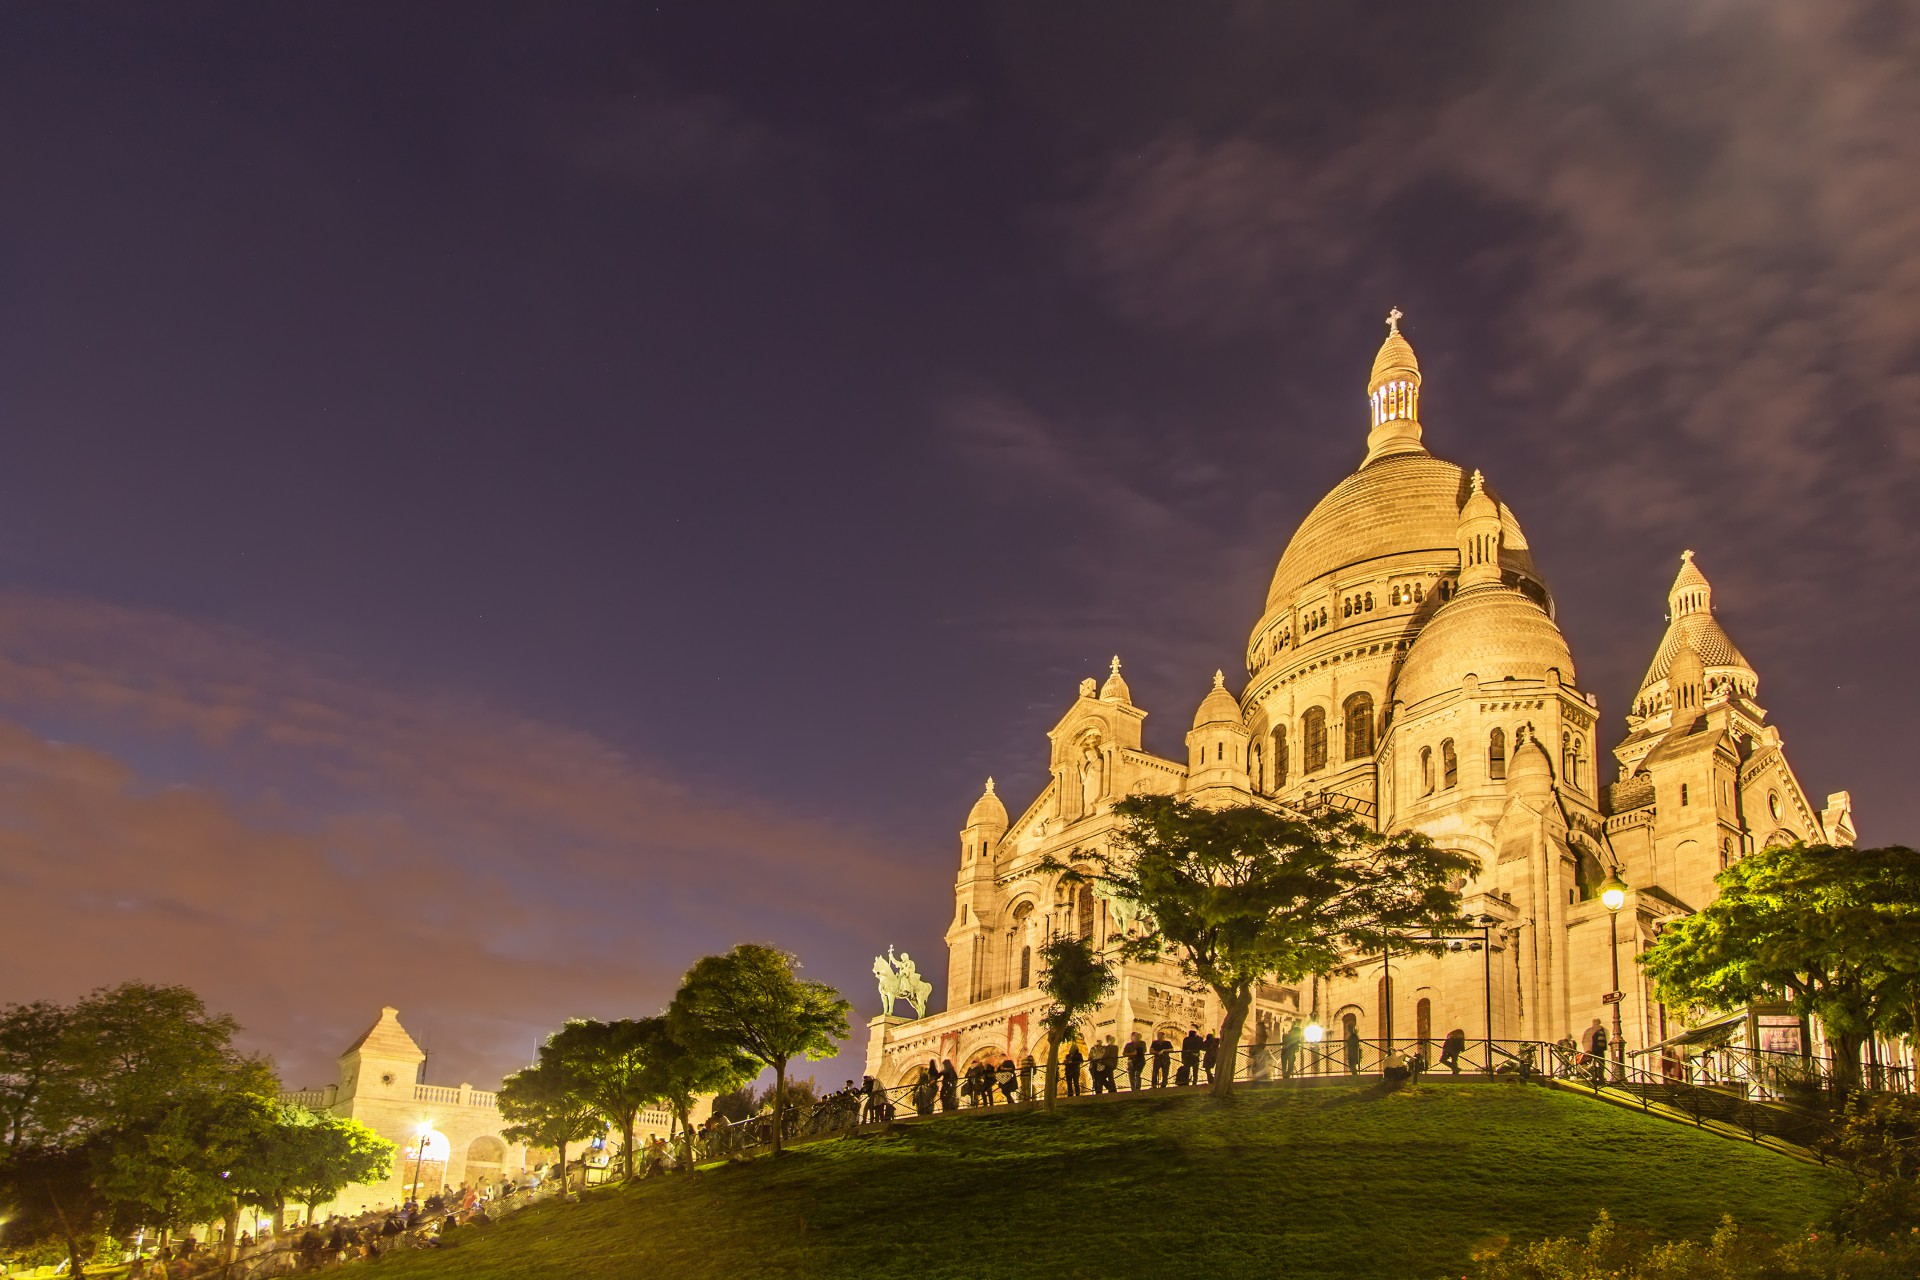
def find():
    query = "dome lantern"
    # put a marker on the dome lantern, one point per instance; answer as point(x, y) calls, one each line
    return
point(1393, 396)
point(1115, 689)
point(1479, 538)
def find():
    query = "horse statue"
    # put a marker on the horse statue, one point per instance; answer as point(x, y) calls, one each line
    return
point(1122, 910)
point(899, 980)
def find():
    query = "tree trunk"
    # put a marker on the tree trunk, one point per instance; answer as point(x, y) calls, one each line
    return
point(1229, 1048)
point(1053, 1069)
point(77, 1267)
point(563, 1170)
point(280, 1216)
point(779, 1105)
point(1846, 1060)
point(626, 1152)
point(230, 1219)
point(681, 1110)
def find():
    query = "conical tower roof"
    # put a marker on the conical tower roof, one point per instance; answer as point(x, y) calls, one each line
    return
point(1691, 624)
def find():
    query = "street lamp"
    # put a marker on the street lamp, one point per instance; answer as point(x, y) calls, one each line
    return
point(1313, 1034)
point(1486, 923)
point(1613, 893)
point(420, 1157)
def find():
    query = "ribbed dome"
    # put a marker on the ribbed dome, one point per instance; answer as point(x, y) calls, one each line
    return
point(987, 811)
point(1491, 633)
point(1219, 706)
point(1529, 770)
point(1403, 502)
point(1704, 633)
point(1115, 689)
point(1394, 363)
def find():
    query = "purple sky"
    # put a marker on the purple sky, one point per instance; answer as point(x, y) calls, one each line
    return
point(498, 501)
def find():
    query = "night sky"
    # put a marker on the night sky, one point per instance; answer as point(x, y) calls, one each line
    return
point(497, 501)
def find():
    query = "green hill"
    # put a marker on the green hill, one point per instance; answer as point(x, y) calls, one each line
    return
point(1339, 1182)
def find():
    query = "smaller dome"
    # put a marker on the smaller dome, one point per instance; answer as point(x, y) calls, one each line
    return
point(1115, 689)
point(1529, 770)
point(1489, 632)
point(987, 811)
point(1395, 362)
point(1219, 706)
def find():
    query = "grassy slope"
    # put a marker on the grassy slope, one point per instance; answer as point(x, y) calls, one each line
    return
point(1326, 1182)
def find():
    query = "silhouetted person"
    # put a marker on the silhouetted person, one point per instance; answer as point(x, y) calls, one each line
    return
point(1353, 1049)
point(1290, 1049)
point(1136, 1060)
point(1162, 1050)
point(1072, 1064)
point(949, 1087)
point(1190, 1048)
point(1450, 1051)
point(1209, 1055)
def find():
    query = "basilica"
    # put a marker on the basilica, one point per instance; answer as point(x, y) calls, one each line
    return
point(1406, 667)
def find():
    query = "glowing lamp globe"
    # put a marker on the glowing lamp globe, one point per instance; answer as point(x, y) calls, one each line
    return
point(1314, 1033)
point(1613, 893)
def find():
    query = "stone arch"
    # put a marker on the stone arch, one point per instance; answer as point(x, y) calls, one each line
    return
point(1313, 739)
point(486, 1161)
point(1357, 715)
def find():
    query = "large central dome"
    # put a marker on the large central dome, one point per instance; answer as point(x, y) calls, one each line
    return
point(1402, 499)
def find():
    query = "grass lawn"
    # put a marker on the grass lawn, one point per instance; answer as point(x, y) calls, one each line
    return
point(1339, 1182)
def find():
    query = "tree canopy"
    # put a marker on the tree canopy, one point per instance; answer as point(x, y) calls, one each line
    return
point(1835, 930)
point(1075, 980)
point(1238, 894)
point(750, 1000)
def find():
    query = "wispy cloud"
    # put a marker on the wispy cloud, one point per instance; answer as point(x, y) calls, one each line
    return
point(304, 846)
point(1707, 265)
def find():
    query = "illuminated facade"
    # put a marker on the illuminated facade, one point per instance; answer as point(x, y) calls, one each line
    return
point(1406, 667)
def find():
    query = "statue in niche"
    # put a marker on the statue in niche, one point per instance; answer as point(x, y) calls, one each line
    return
point(1121, 910)
point(1093, 770)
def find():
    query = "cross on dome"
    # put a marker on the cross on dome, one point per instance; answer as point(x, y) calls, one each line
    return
point(1393, 320)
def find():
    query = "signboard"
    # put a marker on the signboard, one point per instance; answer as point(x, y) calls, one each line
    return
point(1613, 997)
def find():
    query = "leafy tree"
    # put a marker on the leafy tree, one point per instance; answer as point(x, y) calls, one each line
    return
point(331, 1154)
point(681, 1072)
point(608, 1063)
point(545, 1105)
point(750, 1001)
point(126, 1076)
point(1835, 930)
point(34, 1043)
point(196, 1161)
point(735, 1104)
point(1237, 894)
point(1076, 980)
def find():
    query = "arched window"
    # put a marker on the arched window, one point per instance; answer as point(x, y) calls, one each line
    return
point(1426, 771)
point(1280, 758)
point(1022, 914)
point(1086, 912)
point(1726, 852)
point(1683, 793)
point(1497, 754)
point(1369, 600)
point(1313, 738)
point(1358, 711)
point(1026, 967)
point(1255, 778)
point(1449, 765)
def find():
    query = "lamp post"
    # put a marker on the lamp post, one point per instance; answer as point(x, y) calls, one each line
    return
point(1614, 894)
point(419, 1157)
point(1486, 923)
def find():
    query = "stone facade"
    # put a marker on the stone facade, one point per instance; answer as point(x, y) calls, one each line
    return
point(1406, 667)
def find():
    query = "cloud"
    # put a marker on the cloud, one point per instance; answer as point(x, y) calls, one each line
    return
point(699, 146)
point(302, 846)
point(1702, 251)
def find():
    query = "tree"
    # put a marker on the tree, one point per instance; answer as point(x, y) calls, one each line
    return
point(1244, 892)
point(749, 1001)
point(608, 1063)
point(545, 1106)
point(1076, 980)
point(681, 1071)
point(128, 1076)
point(309, 1157)
point(196, 1161)
point(34, 1044)
point(1835, 930)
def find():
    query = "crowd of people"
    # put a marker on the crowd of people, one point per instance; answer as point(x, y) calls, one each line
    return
point(416, 1224)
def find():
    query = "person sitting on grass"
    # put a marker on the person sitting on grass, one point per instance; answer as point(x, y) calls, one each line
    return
point(1394, 1068)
